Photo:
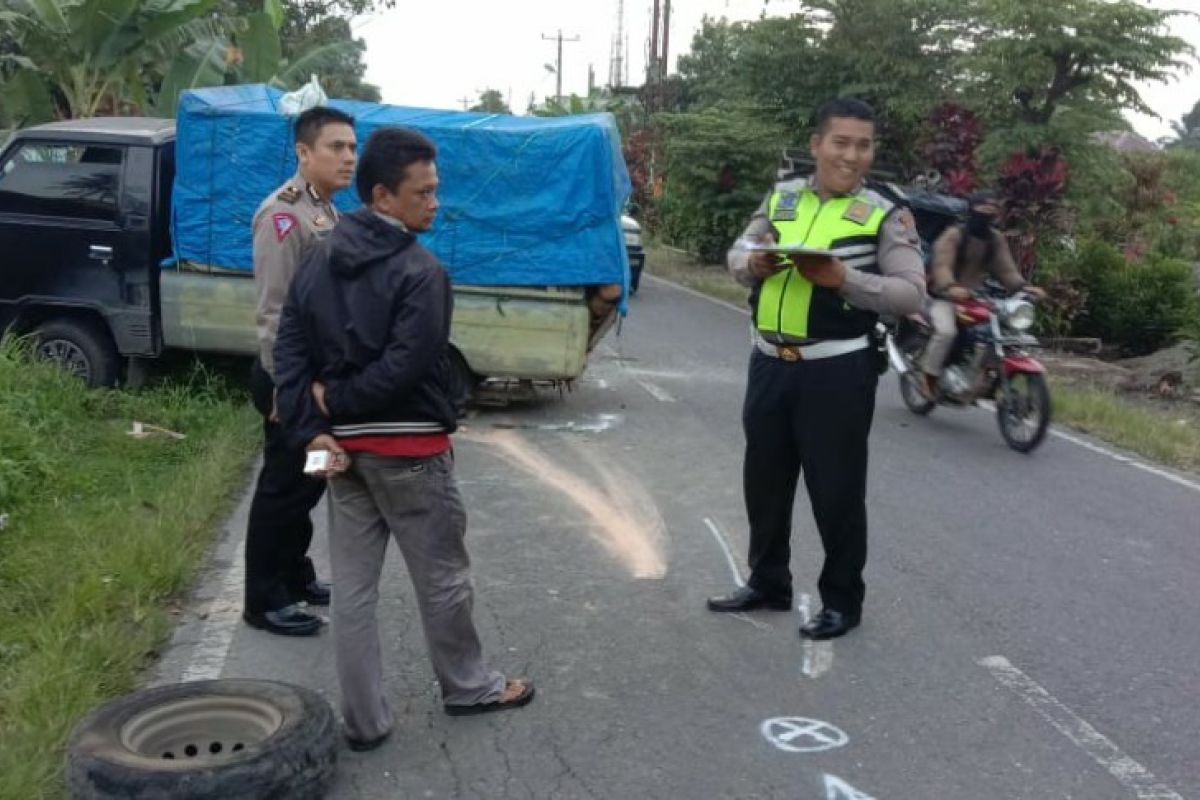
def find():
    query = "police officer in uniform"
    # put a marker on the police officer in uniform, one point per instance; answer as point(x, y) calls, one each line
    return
point(810, 394)
point(288, 225)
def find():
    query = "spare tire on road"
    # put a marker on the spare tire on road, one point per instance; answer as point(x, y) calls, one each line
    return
point(227, 739)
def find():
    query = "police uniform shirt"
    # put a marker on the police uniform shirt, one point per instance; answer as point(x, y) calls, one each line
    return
point(898, 290)
point(288, 224)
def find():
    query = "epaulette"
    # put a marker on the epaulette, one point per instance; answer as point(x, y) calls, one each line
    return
point(289, 194)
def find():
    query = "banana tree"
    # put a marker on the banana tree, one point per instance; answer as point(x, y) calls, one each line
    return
point(83, 57)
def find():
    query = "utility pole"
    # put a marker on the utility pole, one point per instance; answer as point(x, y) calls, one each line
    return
point(466, 101)
point(558, 66)
point(651, 62)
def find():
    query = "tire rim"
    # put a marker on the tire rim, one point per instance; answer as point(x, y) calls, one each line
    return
point(68, 355)
point(201, 729)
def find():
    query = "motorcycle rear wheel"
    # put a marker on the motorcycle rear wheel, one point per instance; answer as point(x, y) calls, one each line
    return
point(1023, 412)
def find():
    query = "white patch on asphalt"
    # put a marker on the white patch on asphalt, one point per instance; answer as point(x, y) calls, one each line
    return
point(817, 656)
point(733, 568)
point(1129, 773)
point(802, 735)
point(838, 789)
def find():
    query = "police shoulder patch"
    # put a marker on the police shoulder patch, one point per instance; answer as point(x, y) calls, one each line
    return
point(289, 194)
point(859, 211)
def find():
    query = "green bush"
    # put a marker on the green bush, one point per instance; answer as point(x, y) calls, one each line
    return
point(1138, 307)
point(719, 166)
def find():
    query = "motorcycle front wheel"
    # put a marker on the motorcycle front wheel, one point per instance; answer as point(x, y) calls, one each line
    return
point(1024, 411)
point(909, 391)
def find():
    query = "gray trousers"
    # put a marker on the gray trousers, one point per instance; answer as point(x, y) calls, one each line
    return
point(416, 501)
point(944, 316)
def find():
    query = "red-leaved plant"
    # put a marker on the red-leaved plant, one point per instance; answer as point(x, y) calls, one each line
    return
point(953, 136)
point(1033, 186)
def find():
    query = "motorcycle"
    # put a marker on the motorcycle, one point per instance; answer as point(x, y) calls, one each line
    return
point(989, 361)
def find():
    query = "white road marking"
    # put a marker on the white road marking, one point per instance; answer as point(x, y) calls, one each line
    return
point(733, 568)
point(657, 392)
point(1153, 470)
point(817, 656)
point(838, 789)
point(1129, 773)
point(212, 649)
point(701, 295)
point(802, 735)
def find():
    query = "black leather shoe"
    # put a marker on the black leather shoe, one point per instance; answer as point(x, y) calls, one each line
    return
point(287, 621)
point(363, 745)
point(829, 624)
point(315, 593)
point(748, 599)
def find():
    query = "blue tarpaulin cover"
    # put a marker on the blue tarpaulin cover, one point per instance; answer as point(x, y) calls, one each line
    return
point(525, 201)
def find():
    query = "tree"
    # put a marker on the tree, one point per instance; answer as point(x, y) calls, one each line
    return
point(311, 27)
point(492, 102)
point(1188, 128)
point(1031, 58)
point(82, 57)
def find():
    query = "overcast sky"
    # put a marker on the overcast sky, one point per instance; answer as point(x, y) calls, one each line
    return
point(434, 54)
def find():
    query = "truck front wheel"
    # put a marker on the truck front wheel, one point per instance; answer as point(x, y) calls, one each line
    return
point(82, 348)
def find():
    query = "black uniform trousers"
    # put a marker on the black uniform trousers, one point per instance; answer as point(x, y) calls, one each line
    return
point(811, 417)
point(280, 528)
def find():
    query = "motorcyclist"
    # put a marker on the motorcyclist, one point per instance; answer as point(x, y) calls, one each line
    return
point(964, 256)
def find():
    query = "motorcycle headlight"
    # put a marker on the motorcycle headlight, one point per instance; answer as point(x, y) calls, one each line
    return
point(1019, 315)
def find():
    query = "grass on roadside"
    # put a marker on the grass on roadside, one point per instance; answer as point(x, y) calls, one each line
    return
point(103, 530)
point(1157, 432)
point(1163, 434)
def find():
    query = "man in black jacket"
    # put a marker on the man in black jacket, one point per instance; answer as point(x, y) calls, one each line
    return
point(363, 368)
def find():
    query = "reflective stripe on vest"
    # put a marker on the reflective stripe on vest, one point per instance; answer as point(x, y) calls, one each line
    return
point(790, 308)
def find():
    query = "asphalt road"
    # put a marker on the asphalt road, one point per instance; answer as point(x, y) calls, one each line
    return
point(1030, 628)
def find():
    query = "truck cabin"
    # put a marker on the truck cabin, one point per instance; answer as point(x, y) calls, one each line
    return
point(84, 224)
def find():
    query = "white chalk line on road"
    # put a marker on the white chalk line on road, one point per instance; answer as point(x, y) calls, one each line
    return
point(1129, 773)
point(657, 392)
point(720, 537)
point(1054, 430)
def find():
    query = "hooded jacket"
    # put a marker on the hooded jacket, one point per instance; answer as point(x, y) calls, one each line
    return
point(368, 315)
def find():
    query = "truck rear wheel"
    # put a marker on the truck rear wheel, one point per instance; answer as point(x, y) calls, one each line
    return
point(81, 348)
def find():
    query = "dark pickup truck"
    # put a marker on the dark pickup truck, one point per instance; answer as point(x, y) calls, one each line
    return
point(85, 232)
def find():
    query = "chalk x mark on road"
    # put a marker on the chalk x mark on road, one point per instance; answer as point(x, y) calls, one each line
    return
point(817, 656)
point(838, 789)
point(1129, 773)
point(802, 735)
point(733, 568)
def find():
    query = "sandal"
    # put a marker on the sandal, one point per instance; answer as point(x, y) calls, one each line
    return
point(517, 692)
